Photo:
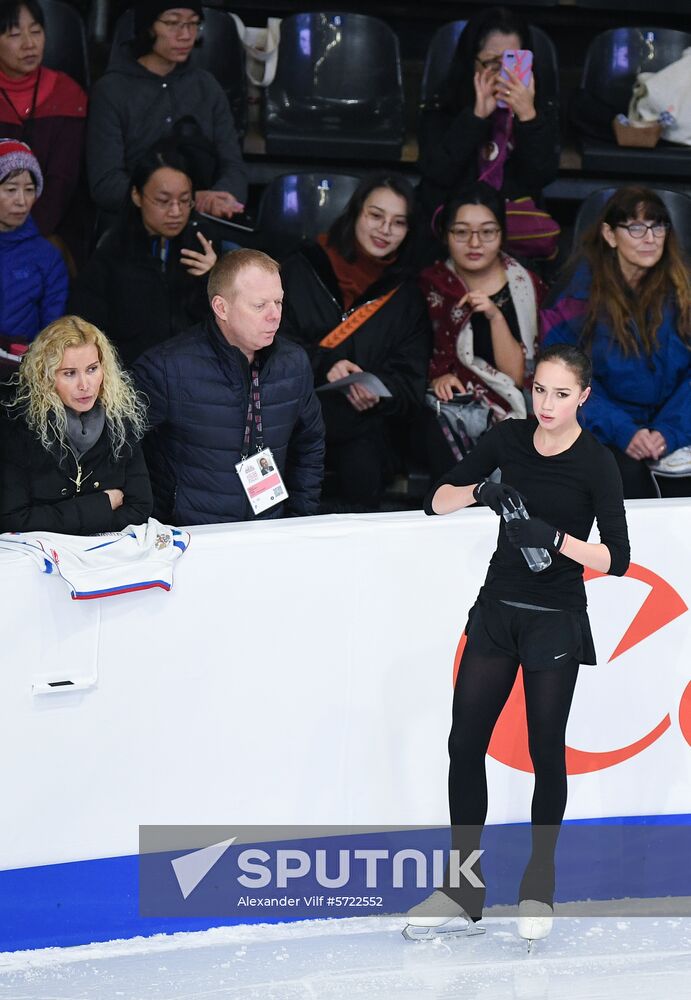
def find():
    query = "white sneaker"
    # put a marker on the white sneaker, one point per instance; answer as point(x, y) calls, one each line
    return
point(677, 463)
point(438, 914)
point(535, 920)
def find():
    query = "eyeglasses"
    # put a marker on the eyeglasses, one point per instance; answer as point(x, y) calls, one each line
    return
point(494, 63)
point(186, 203)
point(637, 230)
point(177, 27)
point(463, 234)
point(376, 219)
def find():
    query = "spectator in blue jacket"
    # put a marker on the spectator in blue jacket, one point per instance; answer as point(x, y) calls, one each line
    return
point(628, 302)
point(226, 389)
point(33, 276)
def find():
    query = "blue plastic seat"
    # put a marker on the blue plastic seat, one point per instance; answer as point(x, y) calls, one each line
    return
point(66, 49)
point(613, 60)
point(338, 89)
point(298, 207)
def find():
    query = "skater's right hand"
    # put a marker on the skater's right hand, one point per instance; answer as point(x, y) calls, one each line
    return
point(494, 494)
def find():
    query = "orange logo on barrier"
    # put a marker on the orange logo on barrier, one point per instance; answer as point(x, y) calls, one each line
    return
point(509, 743)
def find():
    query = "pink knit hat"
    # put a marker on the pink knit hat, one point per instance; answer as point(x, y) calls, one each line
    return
point(15, 155)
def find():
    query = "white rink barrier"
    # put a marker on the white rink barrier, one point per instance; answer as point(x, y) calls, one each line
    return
point(300, 672)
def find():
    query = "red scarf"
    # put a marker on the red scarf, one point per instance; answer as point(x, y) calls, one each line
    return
point(353, 278)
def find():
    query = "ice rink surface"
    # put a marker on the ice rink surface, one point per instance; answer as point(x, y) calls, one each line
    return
point(584, 959)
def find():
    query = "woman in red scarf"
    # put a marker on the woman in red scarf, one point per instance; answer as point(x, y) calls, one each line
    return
point(483, 306)
point(42, 107)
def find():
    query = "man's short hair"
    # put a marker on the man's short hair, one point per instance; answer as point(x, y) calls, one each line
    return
point(226, 269)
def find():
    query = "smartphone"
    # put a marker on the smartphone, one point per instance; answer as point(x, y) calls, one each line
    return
point(520, 62)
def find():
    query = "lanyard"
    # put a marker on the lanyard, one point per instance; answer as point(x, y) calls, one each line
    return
point(254, 416)
point(30, 113)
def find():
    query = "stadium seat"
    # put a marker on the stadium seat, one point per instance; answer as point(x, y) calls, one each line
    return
point(66, 41)
point(678, 205)
point(613, 60)
point(221, 53)
point(443, 46)
point(338, 89)
point(297, 207)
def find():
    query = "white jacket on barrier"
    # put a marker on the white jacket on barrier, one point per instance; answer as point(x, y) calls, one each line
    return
point(138, 558)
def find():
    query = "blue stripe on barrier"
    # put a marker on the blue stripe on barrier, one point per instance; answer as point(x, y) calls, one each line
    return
point(87, 901)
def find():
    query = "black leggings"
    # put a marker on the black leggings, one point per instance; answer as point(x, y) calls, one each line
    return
point(483, 686)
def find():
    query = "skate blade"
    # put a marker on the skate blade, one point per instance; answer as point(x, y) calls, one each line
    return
point(462, 928)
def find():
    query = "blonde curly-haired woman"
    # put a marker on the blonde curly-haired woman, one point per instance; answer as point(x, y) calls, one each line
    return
point(71, 453)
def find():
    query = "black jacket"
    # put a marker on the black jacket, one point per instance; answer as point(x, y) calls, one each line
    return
point(134, 297)
point(394, 343)
point(198, 388)
point(131, 108)
point(39, 491)
point(449, 146)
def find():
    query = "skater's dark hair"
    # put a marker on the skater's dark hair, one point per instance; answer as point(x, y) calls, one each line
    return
point(576, 360)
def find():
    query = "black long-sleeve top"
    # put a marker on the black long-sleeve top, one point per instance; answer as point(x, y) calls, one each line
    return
point(570, 491)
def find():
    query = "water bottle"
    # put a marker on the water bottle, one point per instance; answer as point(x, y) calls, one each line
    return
point(537, 559)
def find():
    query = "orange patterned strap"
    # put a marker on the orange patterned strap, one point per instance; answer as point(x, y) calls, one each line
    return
point(353, 322)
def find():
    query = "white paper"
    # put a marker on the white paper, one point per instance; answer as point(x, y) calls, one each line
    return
point(366, 379)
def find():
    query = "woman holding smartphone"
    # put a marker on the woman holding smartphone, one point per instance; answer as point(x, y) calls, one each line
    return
point(567, 480)
point(470, 137)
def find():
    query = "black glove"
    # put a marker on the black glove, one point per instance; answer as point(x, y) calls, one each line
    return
point(534, 534)
point(494, 494)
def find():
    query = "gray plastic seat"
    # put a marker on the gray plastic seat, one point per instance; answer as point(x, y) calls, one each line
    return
point(220, 52)
point(613, 60)
point(298, 207)
point(677, 203)
point(338, 89)
point(66, 49)
point(441, 52)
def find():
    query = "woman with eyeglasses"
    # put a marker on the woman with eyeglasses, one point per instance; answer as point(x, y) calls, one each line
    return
point(484, 127)
point(483, 306)
point(351, 302)
point(145, 281)
point(627, 302)
point(150, 91)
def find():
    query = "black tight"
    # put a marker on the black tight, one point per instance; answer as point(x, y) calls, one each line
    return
point(483, 685)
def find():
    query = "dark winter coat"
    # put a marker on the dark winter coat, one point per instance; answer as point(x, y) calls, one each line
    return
point(56, 137)
point(33, 283)
point(39, 491)
point(394, 344)
point(198, 388)
point(132, 108)
point(449, 147)
point(137, 299)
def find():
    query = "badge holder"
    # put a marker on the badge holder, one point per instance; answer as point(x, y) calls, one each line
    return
point(261, 481)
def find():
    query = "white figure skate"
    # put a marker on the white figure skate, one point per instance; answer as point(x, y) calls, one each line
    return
point(535, 920)
point(439, 916)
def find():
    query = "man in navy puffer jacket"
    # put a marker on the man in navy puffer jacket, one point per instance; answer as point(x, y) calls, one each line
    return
point(198, 387)
point(33, 276)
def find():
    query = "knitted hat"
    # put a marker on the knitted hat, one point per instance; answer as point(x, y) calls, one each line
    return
point(148, 11)
point(15, 155)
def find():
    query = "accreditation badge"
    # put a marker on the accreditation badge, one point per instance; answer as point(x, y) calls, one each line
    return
point(261, 481)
